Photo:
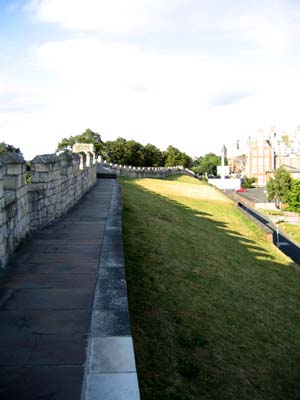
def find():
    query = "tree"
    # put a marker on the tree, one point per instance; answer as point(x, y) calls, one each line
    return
point(174, 157)
point(153, 157)
point(294, 196)
point(248, 182)
point(4, 147)
point(134, 153)
point(126, 152)
point(86, 137)
point(208, 164)
point(278, 187)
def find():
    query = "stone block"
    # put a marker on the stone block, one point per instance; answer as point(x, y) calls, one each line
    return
point(14, 169)
point(37, 187)
point(11, 158)
point(22, 191)
point(2, 220)
point(12, 182)
point(112, 355)
point(122, 386)
point(43, 176)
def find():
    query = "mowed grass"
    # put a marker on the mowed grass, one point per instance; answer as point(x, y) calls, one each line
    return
point(215, 308)
point(292, 230)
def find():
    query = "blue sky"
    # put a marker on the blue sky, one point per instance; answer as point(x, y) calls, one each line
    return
point(191, 73)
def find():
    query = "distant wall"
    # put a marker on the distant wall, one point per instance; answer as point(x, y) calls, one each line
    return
point(57, 183)
point(142, 172)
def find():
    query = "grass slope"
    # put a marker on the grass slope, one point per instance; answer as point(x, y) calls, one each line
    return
point(215, 308)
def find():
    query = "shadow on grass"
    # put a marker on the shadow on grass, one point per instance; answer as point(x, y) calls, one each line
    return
point(215, 315)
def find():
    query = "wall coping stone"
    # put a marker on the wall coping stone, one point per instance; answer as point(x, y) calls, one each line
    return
point(66, 155)
point(11, 157)
point(45, 159)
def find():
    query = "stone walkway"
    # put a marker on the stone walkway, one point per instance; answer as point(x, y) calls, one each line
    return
point(47, 300)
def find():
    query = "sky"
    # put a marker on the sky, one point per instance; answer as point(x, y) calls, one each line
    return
point(195, 74)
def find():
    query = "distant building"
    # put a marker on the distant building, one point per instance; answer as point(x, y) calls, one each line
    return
point(287, 152)
point(290, 160)
point(237, 165)
point(266, 153)
point(294, 172)
point(260, 160)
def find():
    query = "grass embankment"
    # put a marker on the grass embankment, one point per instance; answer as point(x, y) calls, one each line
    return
point(215, 308)
point(292, 230)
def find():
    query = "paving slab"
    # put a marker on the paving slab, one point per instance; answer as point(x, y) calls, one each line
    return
point(29, 383)
point(38, 322)
point(112, 354)
point(62, 267)
point(110, 323)
point(120, 386)
point(45, 299)
point(78, 280)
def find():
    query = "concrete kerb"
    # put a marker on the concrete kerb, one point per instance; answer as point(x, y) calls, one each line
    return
point(110, 371)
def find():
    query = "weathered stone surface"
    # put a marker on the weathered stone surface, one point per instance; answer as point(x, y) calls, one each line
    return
point(45, 159)
point(29, 383)
point(11, 158)
point(123, 386)
point(112, 355)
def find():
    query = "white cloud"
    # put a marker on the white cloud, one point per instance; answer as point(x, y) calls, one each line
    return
point(195, 101)
point(267, 24)
point(95, 15)
point(97, 84)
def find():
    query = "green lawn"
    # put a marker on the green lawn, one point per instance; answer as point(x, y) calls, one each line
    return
point(291, 230)
point(215, 308)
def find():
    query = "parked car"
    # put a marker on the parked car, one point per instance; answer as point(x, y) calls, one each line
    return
point(241, 190)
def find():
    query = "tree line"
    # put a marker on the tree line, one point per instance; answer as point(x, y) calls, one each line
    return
point(284, 190)
point(131, 152)
point(128, 152)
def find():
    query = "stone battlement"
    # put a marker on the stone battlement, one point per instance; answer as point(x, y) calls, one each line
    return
point(141, 172)
point(56, 184)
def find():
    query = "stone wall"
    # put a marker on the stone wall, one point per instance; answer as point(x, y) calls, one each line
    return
point(57, 183)
point(142, 172)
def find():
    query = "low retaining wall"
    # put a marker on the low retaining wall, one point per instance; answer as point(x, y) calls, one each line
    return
point(57, 183)
point(259, 221)
point(110, 369)
point(142, 172)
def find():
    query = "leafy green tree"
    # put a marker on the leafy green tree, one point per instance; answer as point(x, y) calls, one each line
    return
point(115, 150)
point(174, 157)
point(293, 198)
point(153, 157)
point(4, 147)
point(121, 151)
point(88, 136)
point(278, 187)
point(208, 164)
point(248, 182)
point(134, 153)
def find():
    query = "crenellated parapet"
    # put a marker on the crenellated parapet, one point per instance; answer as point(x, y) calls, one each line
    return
point(142, 172)
point(56, 184)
